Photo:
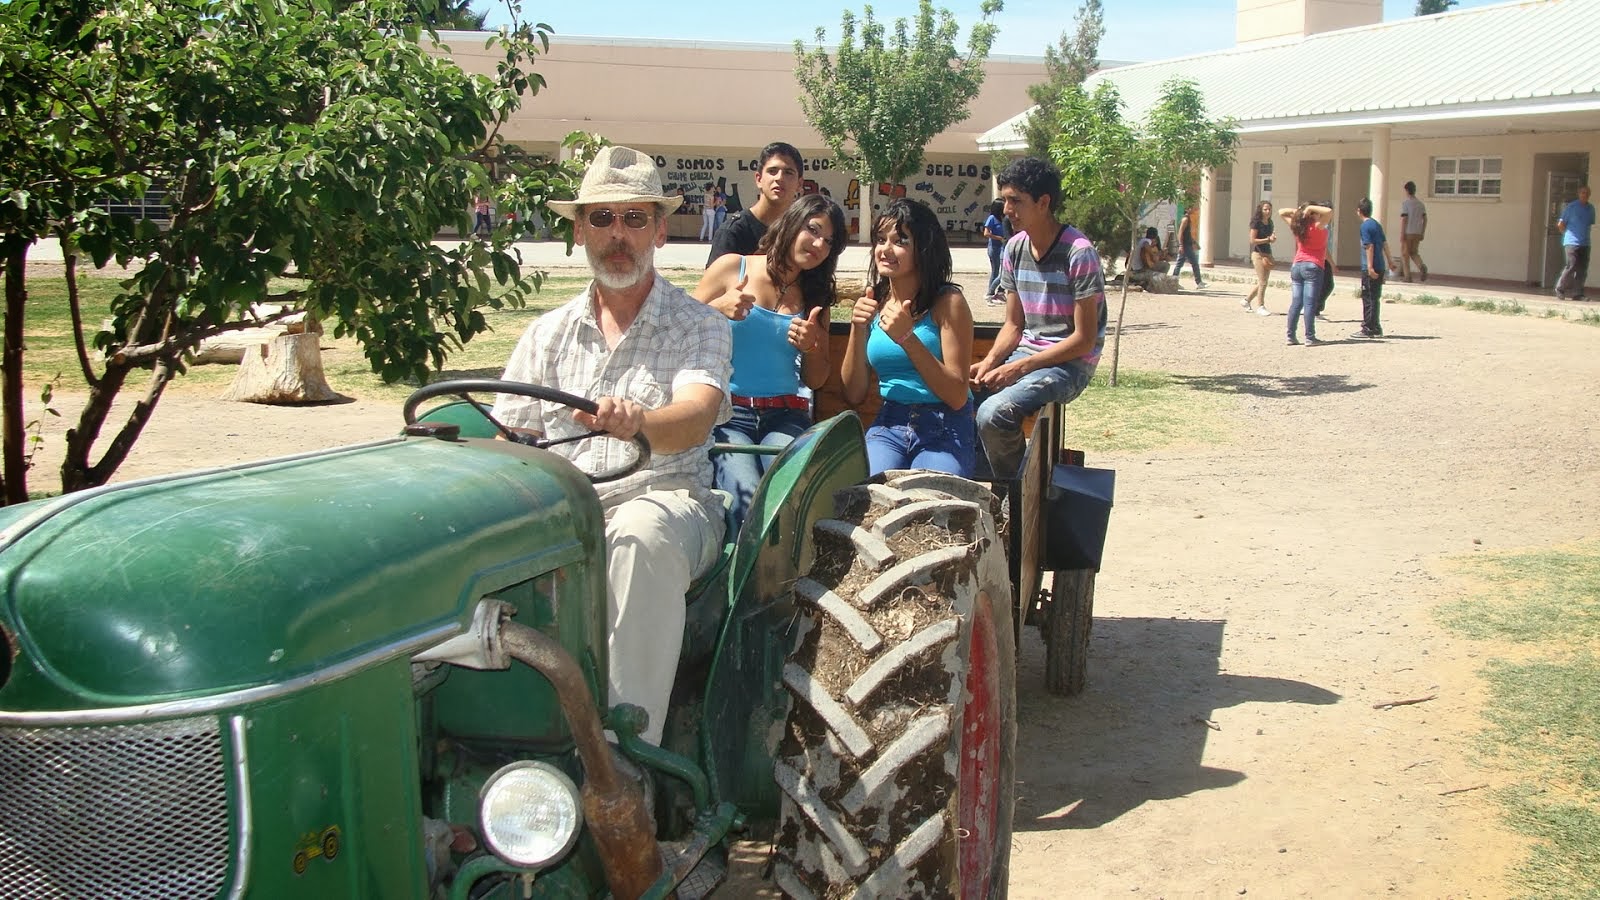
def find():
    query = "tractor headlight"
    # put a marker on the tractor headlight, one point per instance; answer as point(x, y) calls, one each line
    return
point(530, 813)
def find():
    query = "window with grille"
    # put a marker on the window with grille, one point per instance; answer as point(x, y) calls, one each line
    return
point(1466, 176)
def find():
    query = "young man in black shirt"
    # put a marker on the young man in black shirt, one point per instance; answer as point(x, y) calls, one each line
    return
point(777, 186)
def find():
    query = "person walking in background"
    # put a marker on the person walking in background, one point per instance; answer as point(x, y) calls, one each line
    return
point(708, 213)
point(1374, 268)
point(1188, 247)
point(482, 225)
point(996, 232)
point(1261, 240)
point(1309, 223)
point(721, 210)
point(778, 301)
point(1413, 225)
point(1576, 220)
point(914, 330)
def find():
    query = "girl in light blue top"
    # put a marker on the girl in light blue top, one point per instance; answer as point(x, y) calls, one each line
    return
point(778, 300)
point(917, 339)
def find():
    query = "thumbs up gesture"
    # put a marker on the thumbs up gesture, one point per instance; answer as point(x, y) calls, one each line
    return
point(808, 332)
point(866, 307)
point(735, 302)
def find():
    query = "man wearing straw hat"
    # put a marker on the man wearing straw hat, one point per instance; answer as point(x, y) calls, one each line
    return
point(657, 363)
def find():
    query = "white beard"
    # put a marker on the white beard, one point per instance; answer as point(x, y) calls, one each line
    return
point(642, 267)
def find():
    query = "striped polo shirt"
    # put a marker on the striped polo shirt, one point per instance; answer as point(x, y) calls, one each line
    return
point(1052, 287)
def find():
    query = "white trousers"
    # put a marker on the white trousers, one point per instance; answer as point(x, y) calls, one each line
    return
point(657, 543)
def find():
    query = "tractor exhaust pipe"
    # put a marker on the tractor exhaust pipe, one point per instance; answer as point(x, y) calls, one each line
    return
point(612, 805)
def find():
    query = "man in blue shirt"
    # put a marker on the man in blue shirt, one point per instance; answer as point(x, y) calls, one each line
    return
point(1374, 268)
point(1574, 225)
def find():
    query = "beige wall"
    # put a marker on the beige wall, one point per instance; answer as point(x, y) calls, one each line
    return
point(1269, 21)
point(704, 110)
point(681, 94)
point(1477, 238)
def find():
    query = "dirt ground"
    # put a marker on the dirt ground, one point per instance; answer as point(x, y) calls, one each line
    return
point(1257, 600)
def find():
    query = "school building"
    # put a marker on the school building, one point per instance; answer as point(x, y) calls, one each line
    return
point(705, 109)
point(1494, 113)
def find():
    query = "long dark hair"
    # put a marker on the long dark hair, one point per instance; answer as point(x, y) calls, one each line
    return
point(916, 221)
point(816, 284)
point(1258, 218)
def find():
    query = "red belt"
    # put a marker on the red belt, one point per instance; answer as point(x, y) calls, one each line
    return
point(788, 401)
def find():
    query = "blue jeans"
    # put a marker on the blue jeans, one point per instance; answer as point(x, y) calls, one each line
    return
point(740, 473)
point(995, 250)
point(1305, 282)
point(1188, 253)
point(922, 436)
point(1001, 413)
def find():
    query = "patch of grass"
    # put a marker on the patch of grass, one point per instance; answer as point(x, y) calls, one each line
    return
point(1145, 411)
point(1551, 313)
point(1545, 724)
point(1588, 318)
point(1530, 597)
point(1424, 300)
point(1543, 710)
point(50, 347)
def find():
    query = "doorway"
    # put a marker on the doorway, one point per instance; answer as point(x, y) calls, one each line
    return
point(1556, 178)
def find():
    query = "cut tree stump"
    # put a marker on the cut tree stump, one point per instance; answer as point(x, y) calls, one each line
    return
point(285, 370)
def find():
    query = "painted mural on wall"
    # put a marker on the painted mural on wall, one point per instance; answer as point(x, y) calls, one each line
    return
point(957, 190)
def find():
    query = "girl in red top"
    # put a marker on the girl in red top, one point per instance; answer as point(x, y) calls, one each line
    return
point(1309, 223)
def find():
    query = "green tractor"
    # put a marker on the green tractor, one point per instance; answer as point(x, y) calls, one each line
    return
point(378, 671)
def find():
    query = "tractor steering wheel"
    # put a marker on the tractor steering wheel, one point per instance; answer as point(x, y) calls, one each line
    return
point(464, 388)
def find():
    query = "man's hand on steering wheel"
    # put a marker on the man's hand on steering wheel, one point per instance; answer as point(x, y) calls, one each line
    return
point(616, 416)
point(611, 417)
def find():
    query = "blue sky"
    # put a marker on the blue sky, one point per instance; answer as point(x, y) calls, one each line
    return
point(1178, 28)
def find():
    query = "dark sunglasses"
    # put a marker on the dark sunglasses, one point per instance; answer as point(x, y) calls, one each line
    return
point(633, 218)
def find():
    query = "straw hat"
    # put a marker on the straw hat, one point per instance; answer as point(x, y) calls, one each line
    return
point(619, 175)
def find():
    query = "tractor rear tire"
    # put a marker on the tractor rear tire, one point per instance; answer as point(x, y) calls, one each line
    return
point(1069, 617)
point(896, 763)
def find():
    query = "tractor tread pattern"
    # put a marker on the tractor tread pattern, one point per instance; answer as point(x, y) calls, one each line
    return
point(869, 775)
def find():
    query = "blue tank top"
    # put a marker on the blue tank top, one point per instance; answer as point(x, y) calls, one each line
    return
point(898, 378)
point(764, 362)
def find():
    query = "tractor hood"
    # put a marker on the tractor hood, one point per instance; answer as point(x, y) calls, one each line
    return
point(254, 575)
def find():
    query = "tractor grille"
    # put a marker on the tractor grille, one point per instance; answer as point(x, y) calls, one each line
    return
point(137, 811)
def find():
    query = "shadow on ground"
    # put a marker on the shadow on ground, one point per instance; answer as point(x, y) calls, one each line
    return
point(1138, 732)
point(1272, 385)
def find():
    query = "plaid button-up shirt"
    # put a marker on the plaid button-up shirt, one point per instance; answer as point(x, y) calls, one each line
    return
point(674, 341)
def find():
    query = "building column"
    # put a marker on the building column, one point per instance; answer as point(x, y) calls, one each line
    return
point(1208, 195)
point(1378, 182)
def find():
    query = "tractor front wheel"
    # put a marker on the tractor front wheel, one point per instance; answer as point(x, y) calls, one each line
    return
point(896, 761)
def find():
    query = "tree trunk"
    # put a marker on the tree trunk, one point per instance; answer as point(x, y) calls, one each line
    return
point(287, 369)
point(1116, 338)
point(864, 196)
point(15, 479)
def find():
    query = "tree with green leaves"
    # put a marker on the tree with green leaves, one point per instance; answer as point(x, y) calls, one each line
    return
point(879, 99)
point(1106, 159)
point(308, 161)
point(1071, 60)
point(1432, 7)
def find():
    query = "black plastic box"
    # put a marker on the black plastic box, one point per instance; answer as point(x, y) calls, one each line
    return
point(1077, 509)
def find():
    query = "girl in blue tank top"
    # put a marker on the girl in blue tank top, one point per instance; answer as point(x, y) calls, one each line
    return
point(778, 301)
point(913, 330)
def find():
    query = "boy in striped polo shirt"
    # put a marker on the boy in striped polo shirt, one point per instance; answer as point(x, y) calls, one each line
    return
point(1055, 324)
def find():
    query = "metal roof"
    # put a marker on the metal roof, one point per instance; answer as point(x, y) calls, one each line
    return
point(1534, 58)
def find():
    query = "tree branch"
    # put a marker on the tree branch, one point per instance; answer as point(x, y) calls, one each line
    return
point(75, 307)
